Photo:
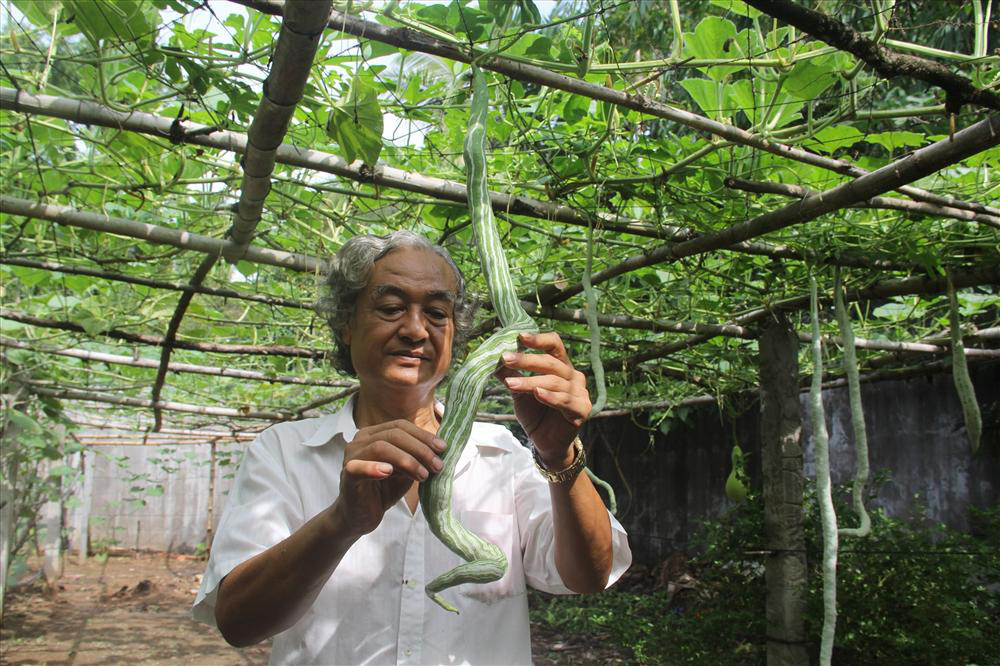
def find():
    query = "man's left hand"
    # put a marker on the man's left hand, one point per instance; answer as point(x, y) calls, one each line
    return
point(553, 402)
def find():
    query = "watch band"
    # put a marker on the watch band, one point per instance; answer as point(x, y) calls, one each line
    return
point(568, 474)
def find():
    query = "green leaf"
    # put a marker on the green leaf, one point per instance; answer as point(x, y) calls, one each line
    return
point(575, 108)
point(713, 37)
point(895, 139)
point(93, 325)
point(39, 12)
point(22, 421)
point(247, 268)
point(61, 470)
point(356, 124)
point(737, 7)
point(155, 491)
point(705, 94)
point(831, 138)
point(809, 78)
point(118, 21)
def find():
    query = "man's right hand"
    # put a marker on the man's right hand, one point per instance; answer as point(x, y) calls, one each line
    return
point(381, 463)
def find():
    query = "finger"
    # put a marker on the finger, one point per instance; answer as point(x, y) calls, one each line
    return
point(416, 448)
point(538, 363)
point(548, 342)
point(368, 469)
point(402, 462)
point(551, 383)
point(413, 430)
point(573, 407)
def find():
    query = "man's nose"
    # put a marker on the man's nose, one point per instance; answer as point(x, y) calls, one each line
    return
point(413, 326)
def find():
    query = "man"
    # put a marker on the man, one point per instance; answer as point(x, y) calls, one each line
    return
point(323, 544)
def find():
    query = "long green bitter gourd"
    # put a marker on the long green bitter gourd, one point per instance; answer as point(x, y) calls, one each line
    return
point(484, 561)
point(960, 375)
point(857, 416)
point(828, 517)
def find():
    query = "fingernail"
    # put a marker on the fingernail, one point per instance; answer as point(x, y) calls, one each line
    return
point(437, 464)
point(508, 357)
point(440, 444)
point(423, 474)
point(385, 468)
point(513, 382)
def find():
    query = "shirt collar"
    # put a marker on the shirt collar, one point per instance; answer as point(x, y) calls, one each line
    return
point(342, 423)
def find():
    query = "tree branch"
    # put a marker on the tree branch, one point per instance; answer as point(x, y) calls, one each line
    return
point(889, 64)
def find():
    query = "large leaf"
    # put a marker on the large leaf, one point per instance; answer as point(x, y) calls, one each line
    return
point(705, 94)
point(356, 123)
point(117, 22)
point(811, 77)
point(713, 37)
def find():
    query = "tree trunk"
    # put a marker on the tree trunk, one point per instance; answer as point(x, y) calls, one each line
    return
point(780, 426)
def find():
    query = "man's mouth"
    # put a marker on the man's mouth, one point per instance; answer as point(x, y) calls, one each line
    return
point(411, 354)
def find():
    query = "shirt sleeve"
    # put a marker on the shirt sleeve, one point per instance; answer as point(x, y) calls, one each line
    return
point(262, 509)
point(537, 530)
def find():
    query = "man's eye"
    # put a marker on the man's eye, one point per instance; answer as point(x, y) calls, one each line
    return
point(389, 309)
point(437, 315)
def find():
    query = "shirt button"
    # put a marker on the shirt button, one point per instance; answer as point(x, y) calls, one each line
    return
point(408, 652)
point(411, 584)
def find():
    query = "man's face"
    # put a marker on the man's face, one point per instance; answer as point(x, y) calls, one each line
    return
point(404, 322)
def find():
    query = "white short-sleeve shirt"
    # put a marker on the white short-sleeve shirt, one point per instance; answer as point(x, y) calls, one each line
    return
point(373, 610)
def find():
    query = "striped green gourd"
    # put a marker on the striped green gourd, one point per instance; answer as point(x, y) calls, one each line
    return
point(484, 561)
point(960, 374)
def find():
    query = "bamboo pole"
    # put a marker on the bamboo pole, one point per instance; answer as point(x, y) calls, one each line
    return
point(155, 284)
point(886, 203)
point(166, 405)
point(302, 29)
point(116, 359)
point(185, 240)
point(155, 340)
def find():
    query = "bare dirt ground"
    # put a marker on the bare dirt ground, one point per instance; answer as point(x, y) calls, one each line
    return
point(133, 609)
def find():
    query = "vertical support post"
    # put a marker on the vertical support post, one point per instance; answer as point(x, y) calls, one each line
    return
point(51, 524)
point(8, 506)
point(780, 430)
point(210, 520)
point(83, 513)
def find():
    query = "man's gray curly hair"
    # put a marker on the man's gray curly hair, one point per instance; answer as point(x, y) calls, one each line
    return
point(349, 272)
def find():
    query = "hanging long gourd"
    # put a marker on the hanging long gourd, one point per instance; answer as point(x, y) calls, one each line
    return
point(857, 416)
point(736, 488)
point(960, 374)
point(828, 517)
point(484, 561)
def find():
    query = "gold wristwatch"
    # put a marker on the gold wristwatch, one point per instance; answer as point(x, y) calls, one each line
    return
point(568, 474)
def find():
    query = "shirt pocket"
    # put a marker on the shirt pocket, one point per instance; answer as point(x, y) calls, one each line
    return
point(497, 528)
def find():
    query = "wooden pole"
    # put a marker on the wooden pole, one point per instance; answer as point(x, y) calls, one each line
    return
point(781, 457)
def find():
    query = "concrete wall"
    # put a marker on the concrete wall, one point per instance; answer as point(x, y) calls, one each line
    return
point(915, 432)
point(674, 480)
point(121, 511)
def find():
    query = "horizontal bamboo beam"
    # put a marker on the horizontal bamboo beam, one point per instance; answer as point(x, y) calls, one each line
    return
point(152, 233)
point(155, 340)
point(165, 405)
point(100, 357)
point(155, 284)
point(416, 41)
point(885, 203)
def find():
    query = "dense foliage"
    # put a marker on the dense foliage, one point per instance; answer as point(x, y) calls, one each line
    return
point(913, 592)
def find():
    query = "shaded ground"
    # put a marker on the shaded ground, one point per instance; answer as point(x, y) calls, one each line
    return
point(133, 609)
